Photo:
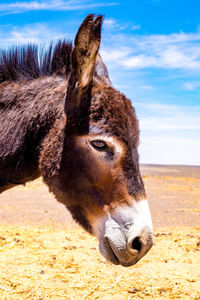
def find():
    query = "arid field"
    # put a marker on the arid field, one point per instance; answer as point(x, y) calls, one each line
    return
point(45, 255)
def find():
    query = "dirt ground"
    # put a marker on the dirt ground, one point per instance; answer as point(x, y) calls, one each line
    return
point(45, 255)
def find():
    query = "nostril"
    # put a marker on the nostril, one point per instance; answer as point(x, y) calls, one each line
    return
point(136, 244)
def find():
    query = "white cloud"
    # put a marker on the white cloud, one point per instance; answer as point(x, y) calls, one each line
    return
point(109, 23)
point(157, 117)
point(172, 51)
point(112, 24)
point(36, 33)
point(191, 86)
point(136, 27)
point(20, 7)
point(115, 54)
point(140, 61)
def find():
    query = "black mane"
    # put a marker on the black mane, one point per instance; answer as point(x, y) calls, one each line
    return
point(25, 62)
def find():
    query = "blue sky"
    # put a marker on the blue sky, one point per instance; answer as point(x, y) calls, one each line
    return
point(152, 50)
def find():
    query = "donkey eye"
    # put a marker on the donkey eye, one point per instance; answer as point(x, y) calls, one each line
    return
point(99, 145)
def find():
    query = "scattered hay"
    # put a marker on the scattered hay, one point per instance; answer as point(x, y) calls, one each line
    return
point(45, 263)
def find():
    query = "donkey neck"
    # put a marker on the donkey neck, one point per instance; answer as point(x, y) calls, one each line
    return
point(28, 111)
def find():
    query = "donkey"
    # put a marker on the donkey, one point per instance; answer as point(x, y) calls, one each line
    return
point(61, 118)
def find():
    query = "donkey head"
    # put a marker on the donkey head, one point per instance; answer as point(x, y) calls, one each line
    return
point(99, 179)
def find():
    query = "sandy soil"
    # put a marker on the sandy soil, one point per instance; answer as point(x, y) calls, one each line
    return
point(173, 194)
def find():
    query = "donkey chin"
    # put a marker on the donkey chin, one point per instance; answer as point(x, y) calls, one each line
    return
point(125, 234)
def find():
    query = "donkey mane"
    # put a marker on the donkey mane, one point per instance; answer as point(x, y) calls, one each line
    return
point(28, 62)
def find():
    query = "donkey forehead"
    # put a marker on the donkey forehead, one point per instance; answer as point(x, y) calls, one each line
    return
point(111, 114)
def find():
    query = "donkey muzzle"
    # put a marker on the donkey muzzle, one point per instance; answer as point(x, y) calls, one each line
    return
point(128, 234)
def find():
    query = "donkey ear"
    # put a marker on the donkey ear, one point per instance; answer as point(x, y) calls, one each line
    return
point(85, 51)
point(101, 71)
point(83, 60)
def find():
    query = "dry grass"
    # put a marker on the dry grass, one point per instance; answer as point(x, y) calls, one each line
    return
point(45, 263)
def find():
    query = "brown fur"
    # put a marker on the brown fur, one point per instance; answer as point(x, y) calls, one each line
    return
point(47, 120)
